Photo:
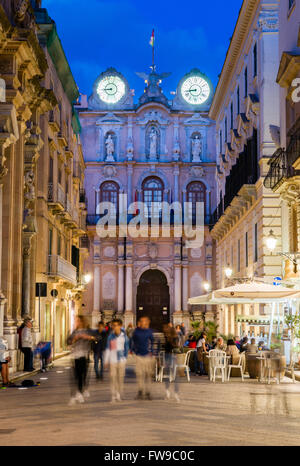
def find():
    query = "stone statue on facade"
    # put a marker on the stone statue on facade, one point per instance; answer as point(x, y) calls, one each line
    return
point(110, 148)
point(196, 149)
point(153, 144)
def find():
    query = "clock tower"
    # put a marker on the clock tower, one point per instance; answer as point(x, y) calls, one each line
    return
point(141, 156)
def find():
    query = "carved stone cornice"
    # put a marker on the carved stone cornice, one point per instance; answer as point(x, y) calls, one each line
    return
point(9, 132)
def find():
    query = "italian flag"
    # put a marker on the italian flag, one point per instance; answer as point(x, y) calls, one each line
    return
point(152, 39)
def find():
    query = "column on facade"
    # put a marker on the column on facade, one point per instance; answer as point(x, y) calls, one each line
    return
point(185, 288)
point(129, 184)
point(207, 206)
point(97, 284)
point(177, 288)
point(176, 183)
point(121, 288)
point(129, 301)
point(97, 201)
point(225, 310)
point(26, 281)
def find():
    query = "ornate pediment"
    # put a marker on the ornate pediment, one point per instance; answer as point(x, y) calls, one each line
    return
point(109, 119)
point(153, 116)
point(197, 120)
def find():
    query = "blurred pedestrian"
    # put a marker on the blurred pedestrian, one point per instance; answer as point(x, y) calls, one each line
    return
point(80, 340)
point(4, 361)
point(99, 346)
point(27, 344)
point(43, 348)
point(142, 346)
point(170, 344)
point(201, 351)
point(115, 357)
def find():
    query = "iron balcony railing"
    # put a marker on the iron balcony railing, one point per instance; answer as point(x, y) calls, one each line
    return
point(282, 162)
point(61, 268)
point(56, 194)
point(278, 169)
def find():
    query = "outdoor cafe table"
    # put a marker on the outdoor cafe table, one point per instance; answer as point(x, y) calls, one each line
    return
point(209, 366)
point(274, 360)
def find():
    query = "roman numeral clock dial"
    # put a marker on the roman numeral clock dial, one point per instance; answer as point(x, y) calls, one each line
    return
point(111, 89)
point(195, 90)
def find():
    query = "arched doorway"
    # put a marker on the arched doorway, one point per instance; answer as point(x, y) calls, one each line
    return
point(153, 298)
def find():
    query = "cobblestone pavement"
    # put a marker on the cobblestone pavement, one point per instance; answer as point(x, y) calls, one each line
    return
point(234, 413)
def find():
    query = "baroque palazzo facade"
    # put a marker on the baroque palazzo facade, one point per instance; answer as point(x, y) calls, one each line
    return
point(42, 215)
point(247, 113)
point(158, 150)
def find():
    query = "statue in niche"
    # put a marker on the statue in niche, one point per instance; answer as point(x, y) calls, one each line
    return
point(153, 143)
point(196, 149)
point(110, 148)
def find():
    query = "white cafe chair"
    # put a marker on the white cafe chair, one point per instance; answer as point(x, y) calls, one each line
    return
point(218, 362)
point(184, 366)
point(237, 366)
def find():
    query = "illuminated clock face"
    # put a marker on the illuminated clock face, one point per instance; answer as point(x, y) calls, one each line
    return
point(195, 90)
point(111, 89)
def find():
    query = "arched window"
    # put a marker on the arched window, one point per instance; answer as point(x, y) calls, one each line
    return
point(195, 193)
point(109, 192)
point(153, 195)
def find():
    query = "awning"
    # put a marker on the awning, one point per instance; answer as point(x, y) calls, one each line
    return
point(247, 293)
point(257, 320)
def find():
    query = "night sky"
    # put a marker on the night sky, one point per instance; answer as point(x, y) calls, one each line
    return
point(97, 34)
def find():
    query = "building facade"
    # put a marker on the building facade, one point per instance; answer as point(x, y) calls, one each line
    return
point(157, 150)
point(30, 137)
point(283, 176)
point(246, 110)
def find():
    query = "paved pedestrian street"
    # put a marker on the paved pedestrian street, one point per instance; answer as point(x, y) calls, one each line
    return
point(233, 413)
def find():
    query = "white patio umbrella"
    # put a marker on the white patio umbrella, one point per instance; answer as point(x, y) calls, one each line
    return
point(247, 293)
point(243, 293)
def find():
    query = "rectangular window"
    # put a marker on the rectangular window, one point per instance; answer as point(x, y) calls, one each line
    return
point(291, 4)
point(58, 245)
point(255, 60)
point(231, 115)
point(238, 100)
point(239, 256)
point(246, 249)
point(246, 82)
point(60, 175)
point(226, 129)
point(66, 250)
point(221, 148)
point(50, 241)
point(50, 170)
point(255, 243)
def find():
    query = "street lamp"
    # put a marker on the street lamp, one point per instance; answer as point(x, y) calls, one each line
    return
point(87, 278)
point(271, 241)
point(206, 286)
point(228, 271)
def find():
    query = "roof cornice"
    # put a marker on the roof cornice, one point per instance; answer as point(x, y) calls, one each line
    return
point(240, 34)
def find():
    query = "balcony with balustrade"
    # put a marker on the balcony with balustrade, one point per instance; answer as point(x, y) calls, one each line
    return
point(284, 165)
point(56, 198)
point(60, 269)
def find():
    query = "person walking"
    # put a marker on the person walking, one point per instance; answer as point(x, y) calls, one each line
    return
point(201, 352)
point(99, 346)
point(115, 357)
point(80, 340)
point(142, 347)
point(171, 342)
point(27, 344)
point(4, 361)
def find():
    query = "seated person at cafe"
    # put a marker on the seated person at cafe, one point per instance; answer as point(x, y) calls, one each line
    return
point(234, 354)
point(252, 348)
point(220, 344)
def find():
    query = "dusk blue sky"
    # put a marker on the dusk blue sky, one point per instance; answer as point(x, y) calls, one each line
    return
point(97, 34)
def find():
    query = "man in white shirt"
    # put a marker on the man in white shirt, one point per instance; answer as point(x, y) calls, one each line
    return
point(27, 344)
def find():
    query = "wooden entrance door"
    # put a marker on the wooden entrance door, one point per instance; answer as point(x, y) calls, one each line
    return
point(153, 298)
